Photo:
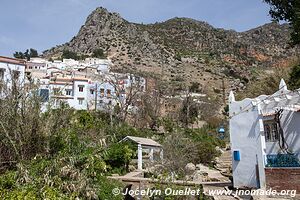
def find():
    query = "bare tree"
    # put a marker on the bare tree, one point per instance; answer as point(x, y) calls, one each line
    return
point(189, 110)
point(177, 146)
point(127, 95)
point(20, 120)
point(150, 108)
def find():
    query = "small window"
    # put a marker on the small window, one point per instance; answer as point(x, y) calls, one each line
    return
point(102, 92)
point(16, 75)
point(44, 94)
point(2, 74)
point(69, 92)
point(56, 91)
point(108, 92)
point(271, 131)
point(92, 91)
point(80, 101)
point(80, 88)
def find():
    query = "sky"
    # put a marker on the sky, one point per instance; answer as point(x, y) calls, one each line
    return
point(42, 24)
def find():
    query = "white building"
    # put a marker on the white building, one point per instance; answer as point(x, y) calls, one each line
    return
point(72, 91)
point(11, 68)
point(115, 88)
point(265, 140)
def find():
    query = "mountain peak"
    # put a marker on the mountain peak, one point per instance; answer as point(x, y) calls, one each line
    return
point(102, 15)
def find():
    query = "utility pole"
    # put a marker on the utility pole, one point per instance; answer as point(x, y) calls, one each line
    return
point(188, 106)
point(96, 94)
point(224, 92)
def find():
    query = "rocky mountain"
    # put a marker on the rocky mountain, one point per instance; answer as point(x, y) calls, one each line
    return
point(183, 50)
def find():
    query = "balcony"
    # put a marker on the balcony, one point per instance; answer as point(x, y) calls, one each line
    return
point(283, 160)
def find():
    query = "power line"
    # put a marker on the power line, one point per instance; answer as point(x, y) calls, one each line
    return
point(246, 109)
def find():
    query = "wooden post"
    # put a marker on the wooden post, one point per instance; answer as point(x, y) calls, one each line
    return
point(96, 94)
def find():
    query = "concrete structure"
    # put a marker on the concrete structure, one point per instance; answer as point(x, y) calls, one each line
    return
point(145, 145)
point(264, 134)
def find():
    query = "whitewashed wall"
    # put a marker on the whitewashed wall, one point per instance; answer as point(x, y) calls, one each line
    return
point(9, 67)
point(245, 137)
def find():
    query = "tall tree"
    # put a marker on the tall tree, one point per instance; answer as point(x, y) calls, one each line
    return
point(33, 53)
point(19, 55)
point(288, 10)
point(29, 53)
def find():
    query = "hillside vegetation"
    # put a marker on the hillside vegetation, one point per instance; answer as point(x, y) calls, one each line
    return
point(68, 154)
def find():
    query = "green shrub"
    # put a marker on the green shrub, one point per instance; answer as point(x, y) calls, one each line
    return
point(8, 180)
point(119, 156)
point(98, 53)
point(67, 54)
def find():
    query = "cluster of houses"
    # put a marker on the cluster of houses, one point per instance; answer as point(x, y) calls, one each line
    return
point(83, 85)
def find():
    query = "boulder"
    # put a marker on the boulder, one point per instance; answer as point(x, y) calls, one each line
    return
point(190, 167)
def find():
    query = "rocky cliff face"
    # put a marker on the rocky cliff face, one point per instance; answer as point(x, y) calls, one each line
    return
point(182, 49)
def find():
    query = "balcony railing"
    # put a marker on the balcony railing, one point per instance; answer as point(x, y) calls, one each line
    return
point(283, 160)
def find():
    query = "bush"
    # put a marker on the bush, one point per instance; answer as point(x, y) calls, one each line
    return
point(65, 176)
point(98, 53)
point(67, 54)
point(119, 156)
point(191, 145)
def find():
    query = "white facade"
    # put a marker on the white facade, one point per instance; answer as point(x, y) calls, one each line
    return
point(255, 134)
point(12, 67)
point(59, 81)
point(74, 92)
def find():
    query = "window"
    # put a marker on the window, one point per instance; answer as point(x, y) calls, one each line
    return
point(92, 91)
point(44, 94)
point(16, 75)
point(80, 101)
point(56, 91)
point(271, 131)
point(108, 92)
point(102, 92)
point(69, 92)
point(2, 74)
point(80, 88)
